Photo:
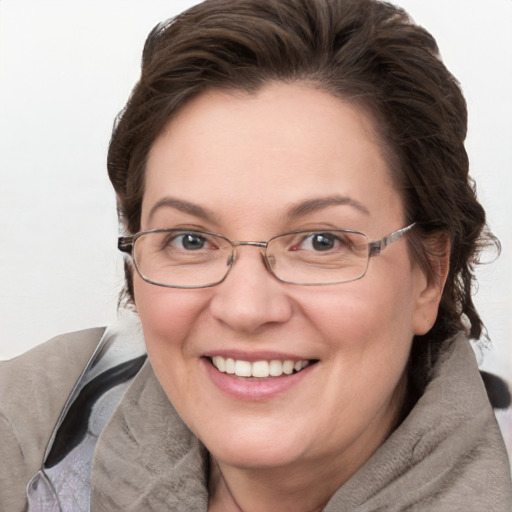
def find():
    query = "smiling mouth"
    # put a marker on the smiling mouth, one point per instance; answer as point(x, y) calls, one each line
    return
point(259, 369)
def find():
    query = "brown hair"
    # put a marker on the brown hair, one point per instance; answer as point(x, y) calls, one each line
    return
point(364, 51)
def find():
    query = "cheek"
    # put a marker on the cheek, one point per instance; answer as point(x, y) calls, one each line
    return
point(167, 316)
point(367, 329)
point(362, 315)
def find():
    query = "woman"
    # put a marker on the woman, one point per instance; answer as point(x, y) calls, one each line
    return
point(301, 232)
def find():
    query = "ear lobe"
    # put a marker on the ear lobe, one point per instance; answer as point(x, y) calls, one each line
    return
point(431, 282)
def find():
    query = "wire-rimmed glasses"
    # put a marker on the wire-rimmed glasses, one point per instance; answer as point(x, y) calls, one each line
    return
point(186, 258)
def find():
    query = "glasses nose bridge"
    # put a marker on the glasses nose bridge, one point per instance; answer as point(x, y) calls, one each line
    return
point(239, 243)
point(262, 245)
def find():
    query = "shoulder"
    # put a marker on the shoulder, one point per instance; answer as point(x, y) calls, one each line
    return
point(33, 390)
point(36, 384)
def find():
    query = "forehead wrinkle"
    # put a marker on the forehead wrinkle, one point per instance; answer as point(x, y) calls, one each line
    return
point(185, 207)
point(313, 205)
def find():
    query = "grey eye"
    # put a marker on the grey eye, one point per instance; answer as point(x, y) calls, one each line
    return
point(191, 241)
point(323, 241)
point(184, 242)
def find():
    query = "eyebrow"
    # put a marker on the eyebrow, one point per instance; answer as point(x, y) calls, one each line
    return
point(299, 210)
point(183, 206)
point(314, 205)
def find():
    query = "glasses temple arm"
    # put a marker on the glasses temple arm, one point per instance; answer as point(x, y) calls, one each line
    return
point(125, 244)
point(378, 246)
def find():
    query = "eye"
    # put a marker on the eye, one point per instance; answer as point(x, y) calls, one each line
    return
point(322, 242)
point(187, 242)
point(191, 241)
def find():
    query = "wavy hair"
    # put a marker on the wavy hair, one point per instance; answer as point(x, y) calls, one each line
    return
point(366, 52)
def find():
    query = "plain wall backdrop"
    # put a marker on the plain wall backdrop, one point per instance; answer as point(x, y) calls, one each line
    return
point(66, 70)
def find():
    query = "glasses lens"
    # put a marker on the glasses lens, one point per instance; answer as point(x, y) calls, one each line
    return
point(319, 257)
point(177, 258)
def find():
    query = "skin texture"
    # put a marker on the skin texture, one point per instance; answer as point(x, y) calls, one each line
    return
point(248, 160)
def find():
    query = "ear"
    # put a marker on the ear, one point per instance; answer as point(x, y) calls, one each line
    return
point(430, 283)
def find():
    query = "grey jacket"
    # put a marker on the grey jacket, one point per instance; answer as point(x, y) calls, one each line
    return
point(447, 455)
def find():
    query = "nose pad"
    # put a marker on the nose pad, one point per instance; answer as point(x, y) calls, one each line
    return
point(231, 260)
point(269, 260)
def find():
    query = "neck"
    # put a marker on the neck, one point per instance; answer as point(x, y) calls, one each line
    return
point(291, 488)
point(242, 490)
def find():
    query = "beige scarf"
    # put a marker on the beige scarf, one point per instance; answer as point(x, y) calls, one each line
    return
point(447, 455)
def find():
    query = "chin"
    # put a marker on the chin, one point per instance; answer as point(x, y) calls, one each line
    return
point(257, 458)
point(262, 449)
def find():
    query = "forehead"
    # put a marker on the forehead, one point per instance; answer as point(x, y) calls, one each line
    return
point(254, 154)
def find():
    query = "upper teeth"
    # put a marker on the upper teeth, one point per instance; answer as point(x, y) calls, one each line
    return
point(273, 368)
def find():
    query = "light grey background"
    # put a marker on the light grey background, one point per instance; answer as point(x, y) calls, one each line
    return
point(66, 69)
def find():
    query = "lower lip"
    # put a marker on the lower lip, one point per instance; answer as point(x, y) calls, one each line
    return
point(252, 389)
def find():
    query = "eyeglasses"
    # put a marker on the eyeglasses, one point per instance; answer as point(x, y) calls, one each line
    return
point(181, 258)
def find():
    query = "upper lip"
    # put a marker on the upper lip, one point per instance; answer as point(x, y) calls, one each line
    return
point(256, 356)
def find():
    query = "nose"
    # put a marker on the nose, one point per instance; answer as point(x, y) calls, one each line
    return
point(250, 297)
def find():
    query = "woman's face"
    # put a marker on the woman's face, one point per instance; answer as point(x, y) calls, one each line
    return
point(252, 167)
